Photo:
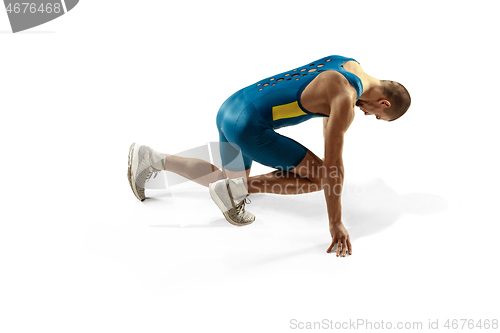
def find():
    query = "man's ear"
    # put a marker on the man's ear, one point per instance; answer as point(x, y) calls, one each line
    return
point(385, 102)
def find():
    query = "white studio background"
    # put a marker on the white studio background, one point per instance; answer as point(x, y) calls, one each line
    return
point(78, 252)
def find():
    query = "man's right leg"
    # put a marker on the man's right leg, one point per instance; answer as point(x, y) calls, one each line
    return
point(143, 162)
point(194, 169)
point(200, 171)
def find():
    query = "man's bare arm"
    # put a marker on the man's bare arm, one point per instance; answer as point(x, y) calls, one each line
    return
point(341, 117)
point(325, 121)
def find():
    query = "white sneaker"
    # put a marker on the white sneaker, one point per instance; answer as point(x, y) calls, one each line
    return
point(140, 169)
point(230, 196)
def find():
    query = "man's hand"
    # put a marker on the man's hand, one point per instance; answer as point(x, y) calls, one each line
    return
point(340, 236)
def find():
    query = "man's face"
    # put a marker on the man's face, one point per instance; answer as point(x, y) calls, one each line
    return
point(376, 109)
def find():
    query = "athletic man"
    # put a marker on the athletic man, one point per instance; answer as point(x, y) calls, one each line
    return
point(330, 87)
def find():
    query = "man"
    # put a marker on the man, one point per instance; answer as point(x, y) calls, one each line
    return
point(330, 87)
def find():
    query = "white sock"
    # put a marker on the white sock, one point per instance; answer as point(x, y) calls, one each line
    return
point(158, 160)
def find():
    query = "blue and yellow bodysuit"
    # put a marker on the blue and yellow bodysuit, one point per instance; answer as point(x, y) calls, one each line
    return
point(246, 121)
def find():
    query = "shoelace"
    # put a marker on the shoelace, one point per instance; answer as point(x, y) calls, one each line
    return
point(240, 208)
point(150, 170)
point(151, 173)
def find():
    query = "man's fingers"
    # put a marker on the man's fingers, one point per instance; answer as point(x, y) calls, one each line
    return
point(344, 248)
point(343, 242)
point(330, 248)
point(349, 246)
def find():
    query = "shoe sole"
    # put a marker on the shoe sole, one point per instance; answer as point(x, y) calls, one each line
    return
point(222, 207)
point(133, 164)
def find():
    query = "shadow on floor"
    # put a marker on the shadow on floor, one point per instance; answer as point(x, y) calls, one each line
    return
point(374, 207)
point(368, 208)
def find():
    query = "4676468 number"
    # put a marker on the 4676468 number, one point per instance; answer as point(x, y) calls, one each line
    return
point(32, 8)
point(471, 324)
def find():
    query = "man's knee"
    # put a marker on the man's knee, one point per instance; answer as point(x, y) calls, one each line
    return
point(311, 168)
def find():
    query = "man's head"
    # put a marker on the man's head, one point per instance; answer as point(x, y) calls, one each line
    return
point(388, 101)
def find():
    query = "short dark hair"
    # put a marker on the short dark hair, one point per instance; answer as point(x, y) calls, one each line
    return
point(399, 97)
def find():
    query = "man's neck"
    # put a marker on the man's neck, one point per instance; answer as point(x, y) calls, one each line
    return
point(370, 87)
point(369, 82)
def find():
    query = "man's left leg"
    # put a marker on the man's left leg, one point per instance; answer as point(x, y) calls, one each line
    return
point(230, 193)
point(304, 178)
